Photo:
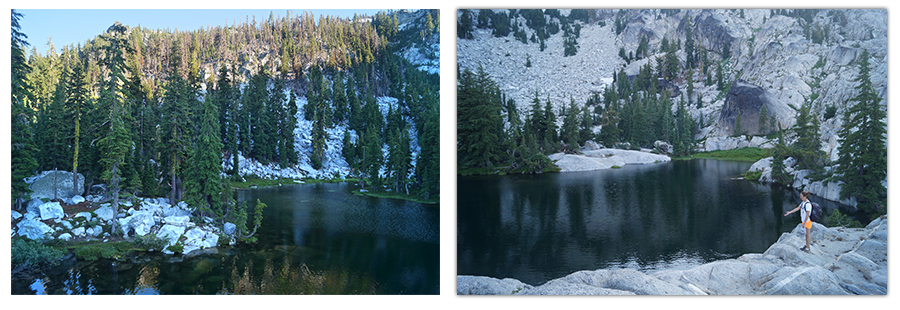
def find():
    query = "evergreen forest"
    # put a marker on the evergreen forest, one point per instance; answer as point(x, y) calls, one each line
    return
point(171, 113)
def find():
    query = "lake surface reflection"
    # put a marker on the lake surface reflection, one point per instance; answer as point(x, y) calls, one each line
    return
point(673, 215)
point(315, 239)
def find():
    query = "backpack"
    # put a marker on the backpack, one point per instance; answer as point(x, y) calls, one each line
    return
point(816, 212)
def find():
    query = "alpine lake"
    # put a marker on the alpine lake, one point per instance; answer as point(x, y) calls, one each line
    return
point(674, 215)
point(314, 239)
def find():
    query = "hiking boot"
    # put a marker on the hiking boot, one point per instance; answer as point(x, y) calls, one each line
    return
point(804, 249)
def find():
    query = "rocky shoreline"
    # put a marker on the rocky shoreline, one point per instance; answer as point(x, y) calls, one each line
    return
point(71, 218)
point(841, 261)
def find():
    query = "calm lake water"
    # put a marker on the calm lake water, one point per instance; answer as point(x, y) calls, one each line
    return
point(646, 217)
point(315, 239)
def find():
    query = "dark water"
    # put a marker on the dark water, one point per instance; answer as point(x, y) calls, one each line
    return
point(315, 239)
point(674, 215)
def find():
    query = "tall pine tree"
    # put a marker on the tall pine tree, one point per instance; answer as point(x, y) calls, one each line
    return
point(862, 164)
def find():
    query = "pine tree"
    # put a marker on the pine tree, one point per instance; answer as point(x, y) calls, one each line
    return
point(807, 148)
point(479, 121)
point(340, 98)
point(862, 164)
point(551, 135)
point(780, 153)
point(23, 149)
point(738, 130)
point(684, 140)
point(609, 132)
point(586, 122)
point(289, 154)
point(464, 25)
point(280, 123)
point(202, 181)
point(720, 80)
point(428, 160)
point(371, 155)
point(569, 132)
point(175, 127)
point(116, 144)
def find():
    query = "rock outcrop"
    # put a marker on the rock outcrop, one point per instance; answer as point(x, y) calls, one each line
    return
point(842, 261)
point(44, 185)
point(144, 216)
point(604, 159)
point(830, 191)
point(775, 53)
point(745, 103)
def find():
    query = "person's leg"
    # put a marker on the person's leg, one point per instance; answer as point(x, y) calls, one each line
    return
point(807, 239)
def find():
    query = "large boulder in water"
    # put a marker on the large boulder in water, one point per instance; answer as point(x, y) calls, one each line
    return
point(44, 185)
point(746, 100)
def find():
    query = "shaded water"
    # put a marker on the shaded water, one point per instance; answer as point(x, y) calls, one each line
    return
point(648, 217)
point(315, 239)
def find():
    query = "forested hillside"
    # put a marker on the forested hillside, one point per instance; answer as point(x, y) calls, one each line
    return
point(177, 113)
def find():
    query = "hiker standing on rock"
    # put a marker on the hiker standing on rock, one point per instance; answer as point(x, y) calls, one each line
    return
point(806, 208)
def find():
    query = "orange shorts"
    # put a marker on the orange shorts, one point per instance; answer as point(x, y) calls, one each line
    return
point(808, 224)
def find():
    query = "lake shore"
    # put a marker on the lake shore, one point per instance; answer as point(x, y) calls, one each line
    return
point(841, 261)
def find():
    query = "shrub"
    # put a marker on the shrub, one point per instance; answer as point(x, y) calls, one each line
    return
point(150, 241)
point(31, 254)
point(839, 219)
point(830, 111)
point(752, 175)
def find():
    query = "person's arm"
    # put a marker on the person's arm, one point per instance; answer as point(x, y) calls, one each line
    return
point(792, 211)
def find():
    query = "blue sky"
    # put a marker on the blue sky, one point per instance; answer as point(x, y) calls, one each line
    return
point(69, 27)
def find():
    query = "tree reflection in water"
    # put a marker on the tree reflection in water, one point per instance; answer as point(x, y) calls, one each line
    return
point(286, 278)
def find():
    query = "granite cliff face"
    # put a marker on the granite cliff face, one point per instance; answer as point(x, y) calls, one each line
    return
point(791, 59)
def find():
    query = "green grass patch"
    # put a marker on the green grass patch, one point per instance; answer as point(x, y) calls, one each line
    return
point(751, 154)
point(393, 195)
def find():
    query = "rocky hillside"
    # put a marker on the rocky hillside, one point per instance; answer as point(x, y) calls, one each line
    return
point(841, 261)
point(791, 57)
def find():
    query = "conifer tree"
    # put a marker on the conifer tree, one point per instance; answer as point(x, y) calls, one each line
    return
point(355, 109)
point(202, 181)
point(340, 98)
point(371, 156)
point(586, 122)
point(479, 121)
point(116, 144)
point(23, 150)
point(780, 152)
point(175, 127)
point(862, 164)
point(808, 147)
point(289, 154)
point(280, 122)
point(569, 132)
point(428, 160)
